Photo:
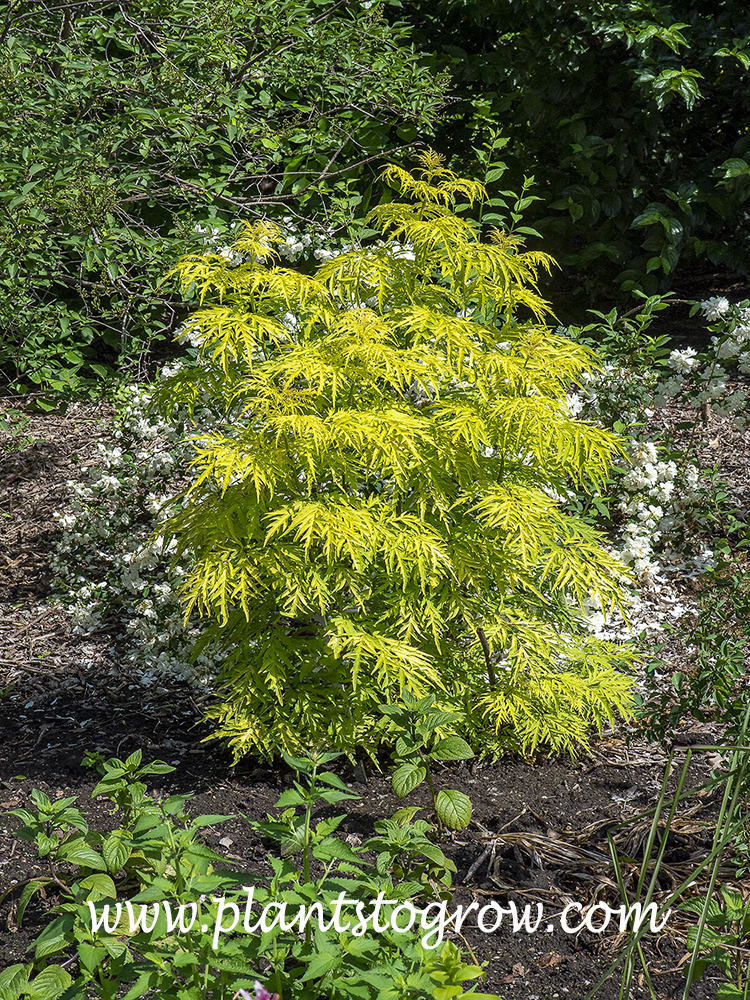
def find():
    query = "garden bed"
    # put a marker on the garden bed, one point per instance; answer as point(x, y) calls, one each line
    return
point(539, 828)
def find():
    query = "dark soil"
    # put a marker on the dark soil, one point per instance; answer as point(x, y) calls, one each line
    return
point(547, 820)
point(539, 832)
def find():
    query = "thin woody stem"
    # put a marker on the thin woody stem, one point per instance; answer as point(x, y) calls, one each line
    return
point(487, 656)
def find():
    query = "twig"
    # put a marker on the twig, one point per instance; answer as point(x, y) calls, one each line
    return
point(487, 655)
point(478, 862)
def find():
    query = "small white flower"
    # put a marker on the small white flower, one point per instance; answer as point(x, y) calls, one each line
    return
point(726, 347)
point(664, 491)
point(666, 471)
point(574, 404)
point(596, 621)
point(637, 548)
point(644, 453)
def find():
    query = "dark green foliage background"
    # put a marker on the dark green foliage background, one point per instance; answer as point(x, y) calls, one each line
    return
point(125, 124)
point(634, 119)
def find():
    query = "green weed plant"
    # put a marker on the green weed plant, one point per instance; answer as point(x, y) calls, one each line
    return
point(153, 866)
point(419, 743)
point(722, 941)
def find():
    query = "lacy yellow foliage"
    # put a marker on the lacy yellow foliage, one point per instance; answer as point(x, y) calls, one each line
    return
point(382, 508)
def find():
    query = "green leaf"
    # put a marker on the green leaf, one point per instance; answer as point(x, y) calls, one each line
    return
point(291, 797)
point(77, 852)
point(13, 981)
point(145, 982)
point(453, 809)
point(50, 984)
point(405, 815)
point(209, 820)
point(29, 891)
point(435, 719)
point(728, 991)
point(452, 748)
point(175, 804)
point(91, 956)
point(495, 174)
point(100, 886)
point(735, 167)
point(54, 938)
point(407, 777)
point(116, 850)
point(406, 747)
point(320, 964)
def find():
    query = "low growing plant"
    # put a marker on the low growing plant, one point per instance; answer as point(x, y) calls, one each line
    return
point(13, 424)
point(406, 850)
point(416, 723)
point(712, 685)
point(723, 942)
point(172, 936)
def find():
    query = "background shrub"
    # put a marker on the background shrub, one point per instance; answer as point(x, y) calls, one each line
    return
point(132, 132)
point(632, 118)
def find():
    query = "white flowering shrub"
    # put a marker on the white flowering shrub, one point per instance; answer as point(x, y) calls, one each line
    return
point(107, 568)
point(655, 499)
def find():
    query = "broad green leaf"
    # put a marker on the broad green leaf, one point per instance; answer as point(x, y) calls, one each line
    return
point(100, 886)
point(495, 174)
point(407, 777)
point(735, 167)
point(320, 964)
point(91, 956)
point(728, 991)
point(452, 748)
point(13, 980)
point(49, 984)
point(78, 852)
point(453, 809)
point(116, 850)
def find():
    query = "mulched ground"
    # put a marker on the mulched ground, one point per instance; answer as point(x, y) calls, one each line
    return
point(544, 823)
point(539, 828)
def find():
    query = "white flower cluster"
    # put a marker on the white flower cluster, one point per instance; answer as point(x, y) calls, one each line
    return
point(659, 496)
point(314, 242)
point(613, 392)
point(189, 333)
point(683, 361)
point(701, 379)
point(660, 500)
point(573, 404)
point(211, 235)
point(654, 496)
point(108, 568)
point(714, 308)
point(734, 343)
